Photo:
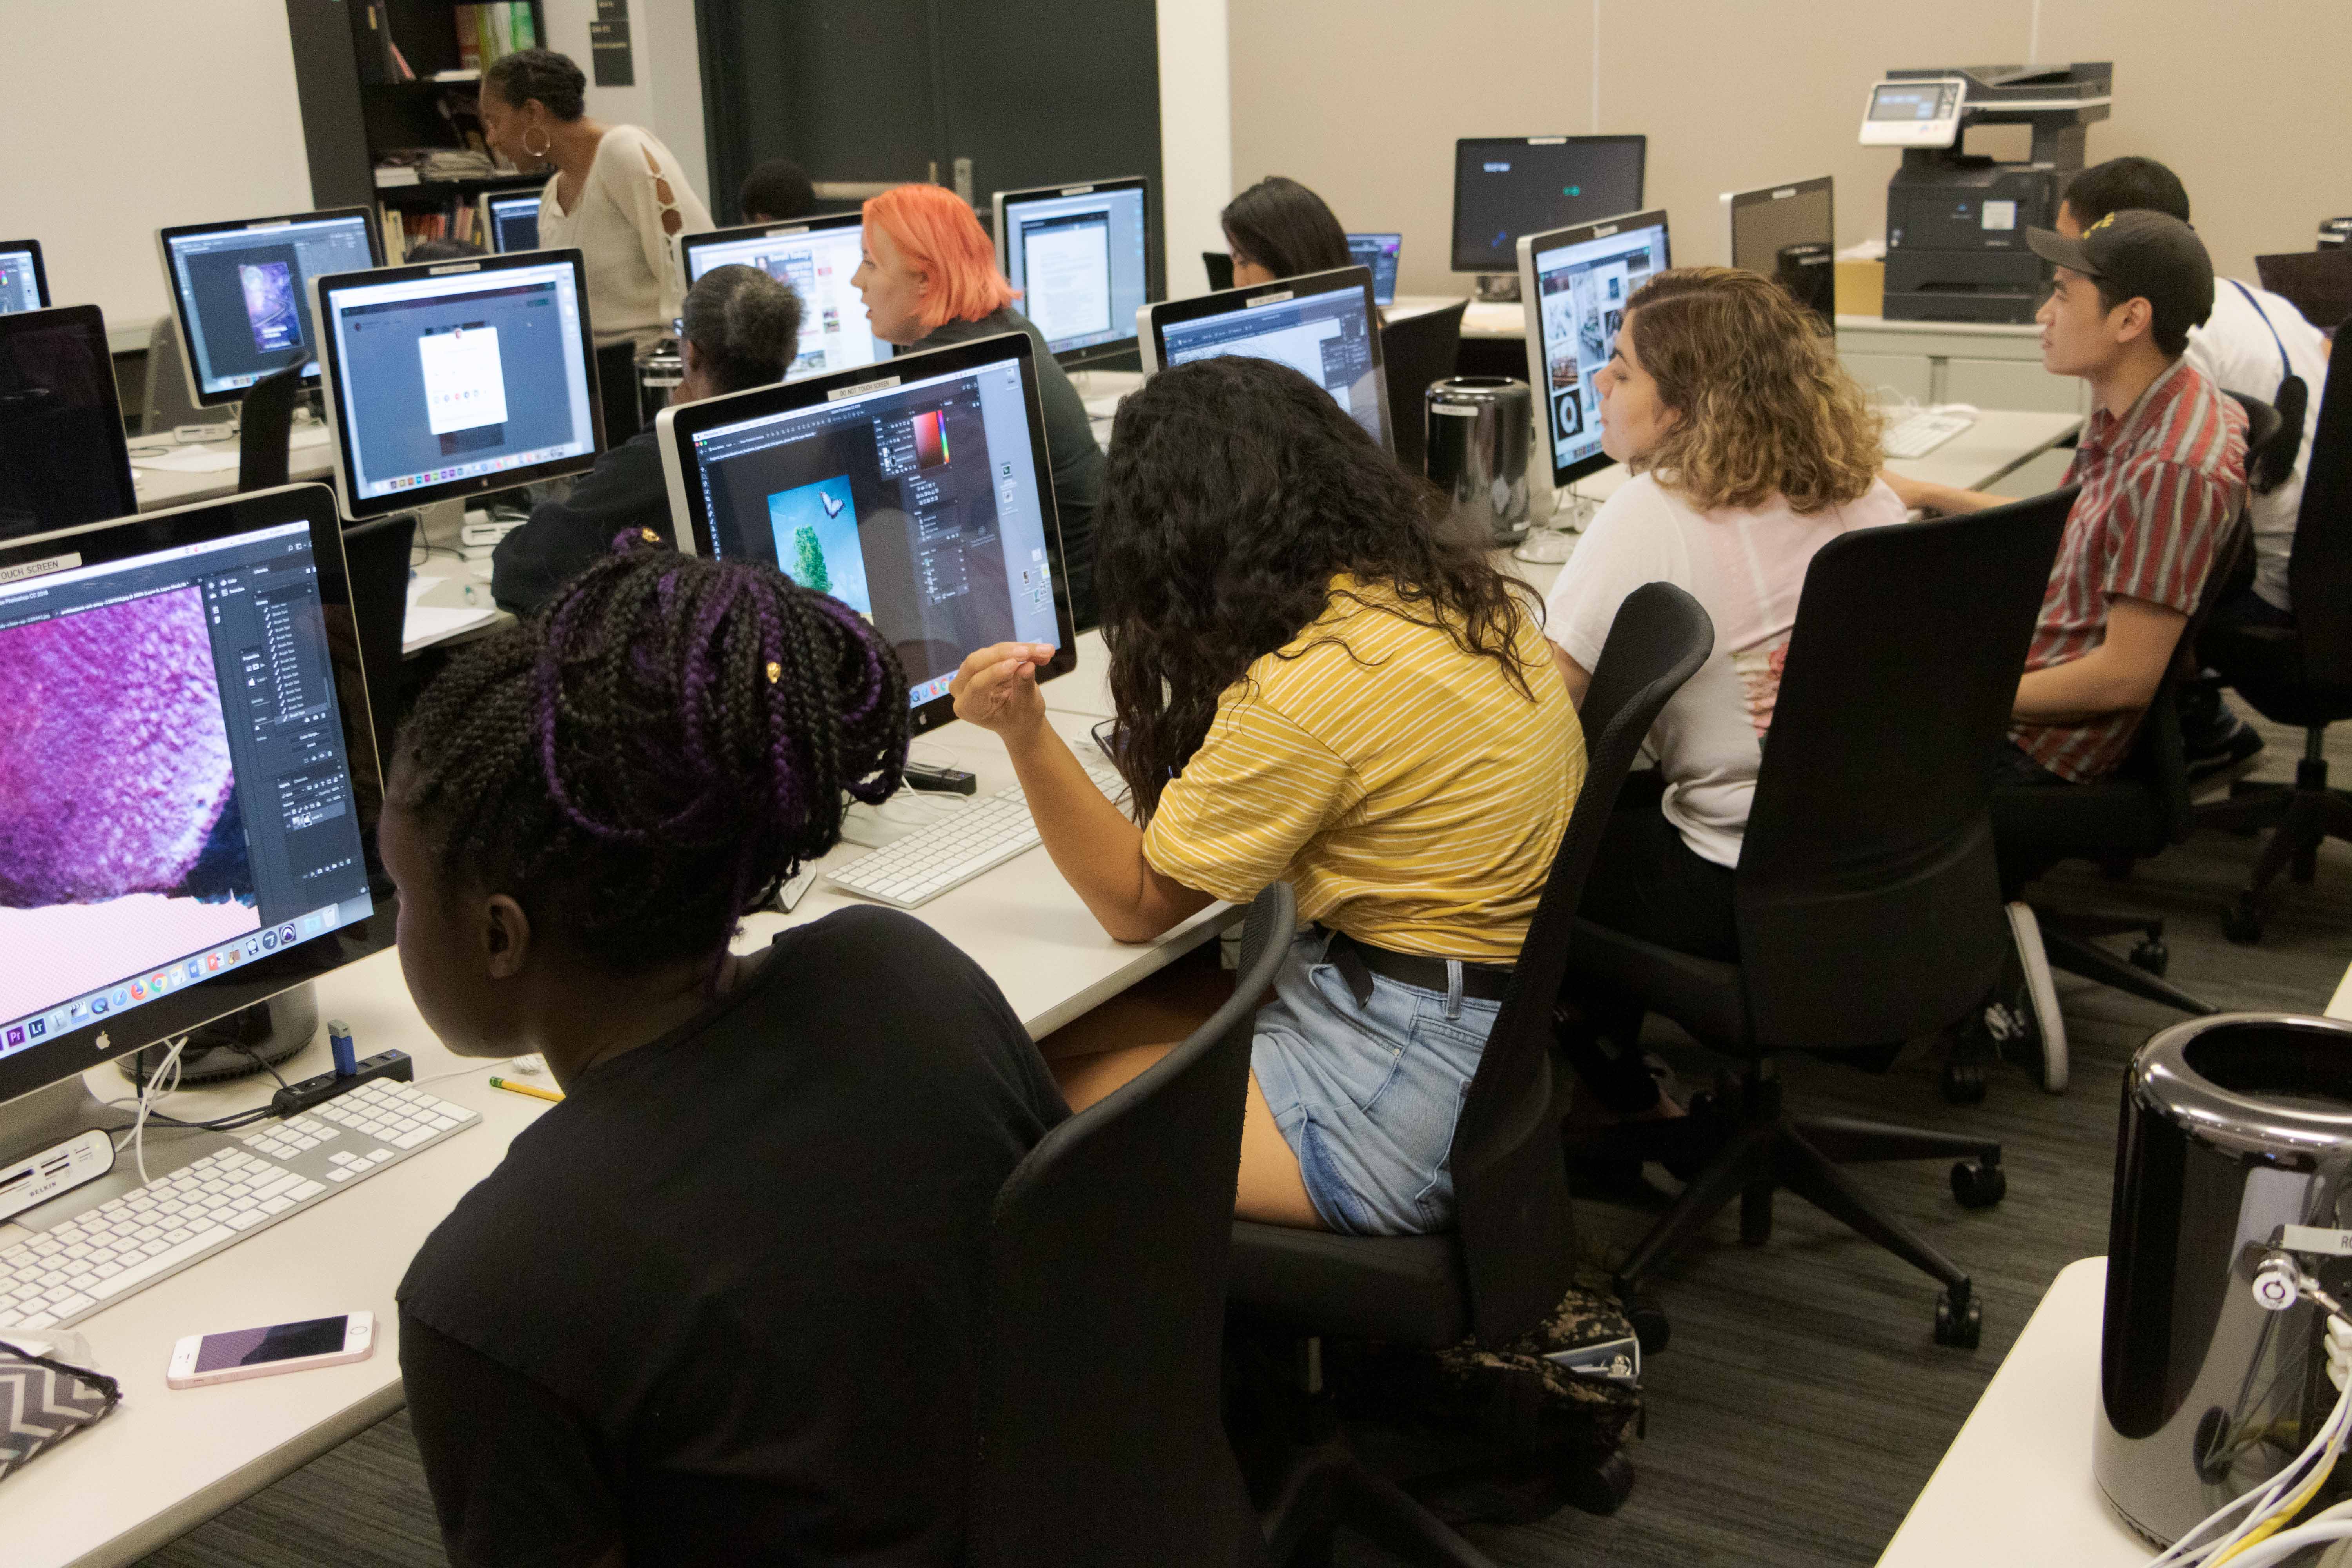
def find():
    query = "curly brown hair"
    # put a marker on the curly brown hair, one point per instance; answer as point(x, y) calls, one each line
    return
point(1766, 408)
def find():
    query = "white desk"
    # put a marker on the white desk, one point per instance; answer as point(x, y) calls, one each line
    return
point(205, 470)
point(2340, 1007)
point(167, 1460)
point(450, 601)
point(2015, 1489)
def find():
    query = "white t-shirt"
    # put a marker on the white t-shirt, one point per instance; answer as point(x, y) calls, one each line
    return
point(2235, 349)
point(1745, 569)
point(632, 206)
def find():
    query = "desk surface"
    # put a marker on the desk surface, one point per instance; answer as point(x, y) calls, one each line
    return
point(206, 470)
point(2016, 1487)
point(169, 1460)
point(1499, 319)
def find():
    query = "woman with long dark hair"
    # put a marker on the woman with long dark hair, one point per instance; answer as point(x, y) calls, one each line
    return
point(1280, 228)
point(1315, 682)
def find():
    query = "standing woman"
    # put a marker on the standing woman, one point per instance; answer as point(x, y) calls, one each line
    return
point(616, 193)
point(928, 278)
point(1280, 228)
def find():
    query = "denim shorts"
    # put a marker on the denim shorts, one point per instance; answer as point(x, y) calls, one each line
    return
point(1368, 1096)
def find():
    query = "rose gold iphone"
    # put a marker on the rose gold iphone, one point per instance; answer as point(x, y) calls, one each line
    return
point(239, 1354)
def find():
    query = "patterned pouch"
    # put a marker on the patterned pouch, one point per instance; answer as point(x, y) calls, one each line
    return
point(46, 1398)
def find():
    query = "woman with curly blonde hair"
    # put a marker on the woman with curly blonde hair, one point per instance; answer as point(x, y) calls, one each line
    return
point(1752, 448)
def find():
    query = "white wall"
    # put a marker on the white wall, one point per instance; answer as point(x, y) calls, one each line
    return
point(667, 96)
point(178, 114)
point(1196, 136)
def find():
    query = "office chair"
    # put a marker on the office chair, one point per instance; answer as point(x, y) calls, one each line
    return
point(1868, 906)
point(1511, 1254)
point(265, 427)
point(1418, 350)
point(2299, 675)
point(1219, 267)
point(1100, 1438)
point(616, 390)
point(2137, 810)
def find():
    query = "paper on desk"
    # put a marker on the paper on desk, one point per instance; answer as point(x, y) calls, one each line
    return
point(427, 624)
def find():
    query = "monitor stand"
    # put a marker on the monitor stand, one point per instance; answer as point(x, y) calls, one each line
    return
point(1498, 287)
point(49, 1117)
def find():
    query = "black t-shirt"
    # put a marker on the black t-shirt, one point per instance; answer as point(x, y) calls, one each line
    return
point(723, 1303)
point(563, 538)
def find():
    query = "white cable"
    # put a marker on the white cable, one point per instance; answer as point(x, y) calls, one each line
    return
point(149, 1092)
point(2325, 1444)
point(2335, 1524)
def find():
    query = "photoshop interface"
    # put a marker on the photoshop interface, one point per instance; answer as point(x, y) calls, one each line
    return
point(514, 223)
point(921, 506)
point(1081, 263)
point(1581, 291)
point(1379, 252)
point(1324, 337)
point(199, 685)
point(1503, 189)
point(247, 293)
point(441, 379)
point(19, 290)
point(818, 265)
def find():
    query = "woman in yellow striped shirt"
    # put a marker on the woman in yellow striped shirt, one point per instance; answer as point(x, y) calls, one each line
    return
point(1315, 682)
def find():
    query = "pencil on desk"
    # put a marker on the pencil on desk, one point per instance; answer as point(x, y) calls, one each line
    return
point(525, 1089)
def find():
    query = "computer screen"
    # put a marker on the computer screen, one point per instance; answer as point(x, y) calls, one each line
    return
point(1788, 232)
point(1575, 282)
point(1379, 252)
point(817, 257)
point(514, 222)
point(921, 498)
point(1507, 187)
point(242, 291)
point(1319, 324)
point(63, 460)
point(451, 378)
point(183, 833)
point(1081, 256)
point(23, 285)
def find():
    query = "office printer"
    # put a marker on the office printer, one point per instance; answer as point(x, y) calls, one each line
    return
point(1956, 223)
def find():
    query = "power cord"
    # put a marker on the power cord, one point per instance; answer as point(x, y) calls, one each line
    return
point(154, 1089)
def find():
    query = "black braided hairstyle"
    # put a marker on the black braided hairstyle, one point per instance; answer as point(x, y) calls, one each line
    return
point(652, 755)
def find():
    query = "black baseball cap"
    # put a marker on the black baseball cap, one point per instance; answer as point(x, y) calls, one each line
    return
point(2142, 255)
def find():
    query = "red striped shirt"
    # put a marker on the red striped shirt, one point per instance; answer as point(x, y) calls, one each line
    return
point(2160, 487)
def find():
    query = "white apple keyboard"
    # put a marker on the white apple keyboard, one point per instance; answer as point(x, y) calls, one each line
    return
point(1917, 434)
point(913, 871)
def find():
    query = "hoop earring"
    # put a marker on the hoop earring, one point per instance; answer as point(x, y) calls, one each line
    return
point(538, 153)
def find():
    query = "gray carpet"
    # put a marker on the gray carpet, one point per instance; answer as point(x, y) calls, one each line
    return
point(1803, 1402)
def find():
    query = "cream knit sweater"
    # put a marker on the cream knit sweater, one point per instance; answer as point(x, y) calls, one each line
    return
point(632, 209)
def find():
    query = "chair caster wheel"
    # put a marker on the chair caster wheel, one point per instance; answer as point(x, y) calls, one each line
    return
point(1978, 1186)
point(1964, 1082)
point(1962, 1329)
point(2243, 922)
point(1650, 1326)
point(2153, 956)
point(1597, 1488)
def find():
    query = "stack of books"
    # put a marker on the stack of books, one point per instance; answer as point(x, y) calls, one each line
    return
point(485, 32)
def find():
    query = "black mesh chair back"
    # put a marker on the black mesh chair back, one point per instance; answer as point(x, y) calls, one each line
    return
point(1100, 1438)
point(265, 425)
point(2264, 427)
point(376, 554)
point(2319, 572)
point(1869, 914)
point(1510, 1186)
point(1417, 350)
point(616, 390)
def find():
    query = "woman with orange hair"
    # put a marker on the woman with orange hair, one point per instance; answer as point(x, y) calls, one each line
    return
point(930, 279)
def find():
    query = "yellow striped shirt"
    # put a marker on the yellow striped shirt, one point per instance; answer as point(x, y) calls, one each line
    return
point(1408, 791)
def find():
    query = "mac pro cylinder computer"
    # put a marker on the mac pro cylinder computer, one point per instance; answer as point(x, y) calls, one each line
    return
point(817, 257)
point(918, 494)
point(241, 291)
point(1081, 256)
point(452, 378)
point(1320, 324)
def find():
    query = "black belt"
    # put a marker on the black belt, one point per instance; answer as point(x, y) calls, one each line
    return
point(1358, 962)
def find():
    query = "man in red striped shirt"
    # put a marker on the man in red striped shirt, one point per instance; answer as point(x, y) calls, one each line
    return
point(2162, 468)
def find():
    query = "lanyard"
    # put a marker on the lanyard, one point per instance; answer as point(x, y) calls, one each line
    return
point(2286, 367)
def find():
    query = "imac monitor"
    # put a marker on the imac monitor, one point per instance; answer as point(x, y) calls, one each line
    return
point(1379, 252)
point(1788, 233)
point(817, 257)
point(242, 292)
point(918, 494)
point(1081, 256)
point(1507, 187)
point(1575, 282)
point(514, 221)
point(63, 458)
point(1319, 324)
point(451, 378)
point(184, 832)
point(23, 285)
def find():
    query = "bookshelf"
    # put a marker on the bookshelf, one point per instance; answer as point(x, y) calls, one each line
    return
point(389, 92)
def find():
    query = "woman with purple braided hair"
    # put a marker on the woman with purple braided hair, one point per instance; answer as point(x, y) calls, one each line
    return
point(722, 1303)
